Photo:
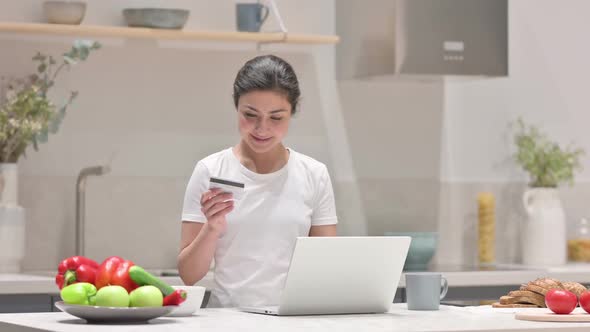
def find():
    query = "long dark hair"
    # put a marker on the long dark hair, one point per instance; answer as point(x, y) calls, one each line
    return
point(268, 72)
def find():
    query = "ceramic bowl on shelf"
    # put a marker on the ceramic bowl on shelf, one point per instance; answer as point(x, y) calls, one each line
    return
point(421, 250)
point(64, 12)
point(159, 18)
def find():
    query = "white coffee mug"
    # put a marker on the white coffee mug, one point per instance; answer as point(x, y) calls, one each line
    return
point(194, 299)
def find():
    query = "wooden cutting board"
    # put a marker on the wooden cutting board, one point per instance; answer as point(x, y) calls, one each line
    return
point(576, 316)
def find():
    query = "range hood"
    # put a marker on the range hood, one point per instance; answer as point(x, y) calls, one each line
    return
point(422, 37)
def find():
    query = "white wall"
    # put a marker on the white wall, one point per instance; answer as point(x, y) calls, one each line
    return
point(394, 129)
point(151, 112)
point(548, 87)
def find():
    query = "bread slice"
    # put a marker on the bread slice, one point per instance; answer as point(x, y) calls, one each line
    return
point(574, 287)
point(532, 297)
point(521, 299)
point(548, 283)
point(543, 285)
point(534, 288)
point(513, 305)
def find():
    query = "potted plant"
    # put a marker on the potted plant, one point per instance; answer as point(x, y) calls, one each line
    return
point(27, 117)
point(548, 165)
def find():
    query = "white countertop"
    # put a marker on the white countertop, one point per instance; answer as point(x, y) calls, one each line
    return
point(42, 282)
point(397, 319)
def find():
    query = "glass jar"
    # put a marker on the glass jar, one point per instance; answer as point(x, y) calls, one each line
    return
point(578, 244)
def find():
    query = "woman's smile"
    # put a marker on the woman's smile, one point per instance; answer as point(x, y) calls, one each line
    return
point(261, 140)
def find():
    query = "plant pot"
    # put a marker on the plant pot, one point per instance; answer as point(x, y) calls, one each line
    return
point(544, 241)
point(12, 221)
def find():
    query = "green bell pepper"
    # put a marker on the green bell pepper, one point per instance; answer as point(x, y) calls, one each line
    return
point(82, 293)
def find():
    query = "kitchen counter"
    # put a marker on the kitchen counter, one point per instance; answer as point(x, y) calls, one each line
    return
point(42, 282)
point(398, 318)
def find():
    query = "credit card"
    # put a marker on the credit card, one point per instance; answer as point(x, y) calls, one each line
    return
point(236, 188)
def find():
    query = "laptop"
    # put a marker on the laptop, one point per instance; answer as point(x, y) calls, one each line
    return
point(341, 275)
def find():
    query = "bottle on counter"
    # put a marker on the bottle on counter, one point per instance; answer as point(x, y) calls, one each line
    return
point(486, 228)
point(578, 244)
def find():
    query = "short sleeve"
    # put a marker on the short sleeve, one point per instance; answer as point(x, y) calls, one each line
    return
point(197, 185)
point(324, 211)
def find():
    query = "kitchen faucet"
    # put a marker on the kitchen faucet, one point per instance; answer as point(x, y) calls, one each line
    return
point(80, 202)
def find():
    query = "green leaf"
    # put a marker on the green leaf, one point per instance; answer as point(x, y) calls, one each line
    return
point(41, 68)
point(42, 137)
point(39, 57)
point(57, 120)
point(69, 59)
point(35, 145)
point(83, 43)
point(84, 53)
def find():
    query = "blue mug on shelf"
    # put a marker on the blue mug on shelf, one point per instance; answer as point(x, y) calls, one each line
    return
point(250, 16)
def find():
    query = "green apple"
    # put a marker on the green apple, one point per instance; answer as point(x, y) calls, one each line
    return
point(146, 296)
point(112, 296)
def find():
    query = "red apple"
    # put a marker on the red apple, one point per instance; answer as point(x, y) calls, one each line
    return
point(561, 301)
point(585, 301)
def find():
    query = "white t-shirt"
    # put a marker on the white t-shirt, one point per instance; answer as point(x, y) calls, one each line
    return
point(253, 256)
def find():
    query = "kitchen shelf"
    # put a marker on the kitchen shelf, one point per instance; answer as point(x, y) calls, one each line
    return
point(163, 34)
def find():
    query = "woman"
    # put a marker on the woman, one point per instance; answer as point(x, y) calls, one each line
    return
point(287, 195)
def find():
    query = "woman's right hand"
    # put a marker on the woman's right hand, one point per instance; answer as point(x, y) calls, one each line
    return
point(215, 205)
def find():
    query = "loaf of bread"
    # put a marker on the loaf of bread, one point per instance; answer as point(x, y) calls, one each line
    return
point(532, 294)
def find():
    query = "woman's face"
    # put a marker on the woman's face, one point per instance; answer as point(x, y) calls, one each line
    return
point(264, 118)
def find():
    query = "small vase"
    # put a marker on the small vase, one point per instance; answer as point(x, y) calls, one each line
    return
point(544, 241)
point(8, 184)
point(12, 221)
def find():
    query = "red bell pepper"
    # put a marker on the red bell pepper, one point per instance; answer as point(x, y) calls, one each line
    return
point(175, 298)
point(115, 271)
point(75, 269)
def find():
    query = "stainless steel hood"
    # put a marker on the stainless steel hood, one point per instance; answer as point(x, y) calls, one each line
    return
point(422, 37)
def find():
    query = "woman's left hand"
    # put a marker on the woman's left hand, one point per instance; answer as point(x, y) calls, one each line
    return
point(215, 205)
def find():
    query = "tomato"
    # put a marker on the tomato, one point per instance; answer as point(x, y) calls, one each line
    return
point(561, 301)
point(585, 301)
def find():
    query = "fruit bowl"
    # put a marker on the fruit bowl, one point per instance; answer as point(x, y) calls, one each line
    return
point(96, 314)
